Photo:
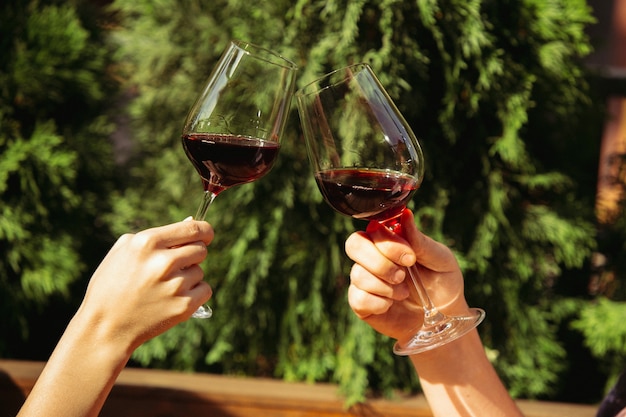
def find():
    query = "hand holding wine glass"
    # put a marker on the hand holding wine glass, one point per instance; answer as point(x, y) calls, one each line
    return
point(232, 132)
point(368, 164)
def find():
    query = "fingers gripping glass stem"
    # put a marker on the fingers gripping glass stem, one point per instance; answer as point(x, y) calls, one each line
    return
point(438, 329)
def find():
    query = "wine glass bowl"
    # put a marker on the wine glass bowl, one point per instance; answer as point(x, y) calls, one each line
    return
point(368, 164)
point(232, 132)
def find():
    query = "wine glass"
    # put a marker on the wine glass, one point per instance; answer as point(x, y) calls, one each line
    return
point(368, 164)
point(232, 132)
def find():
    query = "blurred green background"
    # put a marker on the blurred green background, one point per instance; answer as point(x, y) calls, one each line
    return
point(510, 114)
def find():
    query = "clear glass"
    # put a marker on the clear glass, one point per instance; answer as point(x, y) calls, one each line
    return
point(368, 164)
point(232, 132)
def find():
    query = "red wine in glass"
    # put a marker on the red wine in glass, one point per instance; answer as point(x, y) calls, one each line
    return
point(224, 160)
point(367, 194)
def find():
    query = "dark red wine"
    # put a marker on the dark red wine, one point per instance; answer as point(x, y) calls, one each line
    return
point(226, 160)
point(366, 194)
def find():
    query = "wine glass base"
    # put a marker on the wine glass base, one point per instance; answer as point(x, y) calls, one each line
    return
point(449, 329)
point(203, 312)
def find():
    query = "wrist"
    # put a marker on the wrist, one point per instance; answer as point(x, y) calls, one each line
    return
point(81, 371)
point(94, 335)
point(461, 356)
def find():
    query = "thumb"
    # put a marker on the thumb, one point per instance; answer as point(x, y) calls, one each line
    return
point(431, 254)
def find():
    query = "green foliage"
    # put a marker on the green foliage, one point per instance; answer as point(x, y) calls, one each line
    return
point(54, 167)
point(498, 95)
point(54, 54)
point(603, 339)
point(602, 324)
point(495, 90)
point(44, 155)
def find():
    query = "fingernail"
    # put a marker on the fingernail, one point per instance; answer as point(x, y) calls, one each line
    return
point(188, 218)
point(403, 292)
point(399, 276)
point(407, 259)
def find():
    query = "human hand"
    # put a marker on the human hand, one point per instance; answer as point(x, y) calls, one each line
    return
point(149, 282)
point(381, 292)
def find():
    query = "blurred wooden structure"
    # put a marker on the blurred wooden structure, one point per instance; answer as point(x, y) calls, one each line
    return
point(156, 393)
point(611, 167)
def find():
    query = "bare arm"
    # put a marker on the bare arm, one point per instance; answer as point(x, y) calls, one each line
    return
point(457, 378)
point(146, 284)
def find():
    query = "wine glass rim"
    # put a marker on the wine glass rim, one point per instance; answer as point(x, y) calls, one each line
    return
point(304, 91)
point(281, 59)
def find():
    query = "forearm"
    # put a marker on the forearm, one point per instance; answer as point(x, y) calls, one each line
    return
point(79, 374)
point(459, 380)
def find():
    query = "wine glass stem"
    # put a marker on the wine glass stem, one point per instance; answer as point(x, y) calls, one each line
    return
point(432, 316)
point(207, 199)
point(204, 312)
